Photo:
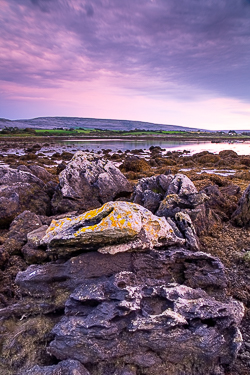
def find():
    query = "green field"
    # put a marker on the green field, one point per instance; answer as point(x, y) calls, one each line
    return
point(81, 132)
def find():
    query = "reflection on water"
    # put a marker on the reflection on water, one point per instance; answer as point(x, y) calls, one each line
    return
point(242, 148)
point(121, 144)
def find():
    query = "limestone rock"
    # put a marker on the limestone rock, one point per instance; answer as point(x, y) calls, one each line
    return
point(150, 191)
point(88, 182)
point(186, 227)
point(115, 227)
point(136, 312)
point(38, 171)
point(182, 186)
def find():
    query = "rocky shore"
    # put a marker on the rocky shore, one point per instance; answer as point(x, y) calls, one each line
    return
point(124, 264)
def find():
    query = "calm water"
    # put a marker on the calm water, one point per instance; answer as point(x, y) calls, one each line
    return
point(242, 148)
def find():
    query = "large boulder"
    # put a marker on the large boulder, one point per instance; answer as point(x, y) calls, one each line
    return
point(115, 227)
point(20, 191)
point(88, 182)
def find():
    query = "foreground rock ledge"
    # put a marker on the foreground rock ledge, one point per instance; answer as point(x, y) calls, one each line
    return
point(152, 312)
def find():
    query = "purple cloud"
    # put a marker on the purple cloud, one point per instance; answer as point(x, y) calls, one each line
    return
point(202, 45)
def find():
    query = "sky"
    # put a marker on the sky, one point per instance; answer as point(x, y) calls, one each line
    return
point(179, 62)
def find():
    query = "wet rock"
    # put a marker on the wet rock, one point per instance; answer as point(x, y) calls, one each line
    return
point(241, 215)
point(120, 318)
point(20, 191)
point(18, 232)
point(67, 367)
point(87, 182)
point(115, 227)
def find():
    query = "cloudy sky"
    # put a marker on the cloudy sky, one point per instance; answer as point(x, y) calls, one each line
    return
point(182, 62)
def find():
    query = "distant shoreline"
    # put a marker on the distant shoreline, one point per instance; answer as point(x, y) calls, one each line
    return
point(42, 138)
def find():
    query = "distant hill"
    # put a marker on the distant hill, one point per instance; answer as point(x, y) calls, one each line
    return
point(89, 123)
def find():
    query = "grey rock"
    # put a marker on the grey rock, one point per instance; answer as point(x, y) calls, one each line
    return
point(130, 312)
point(186, 227)
point(151, 190)
point(182, 186)
point(87, 182)
point(10, 176)
point(37, 171)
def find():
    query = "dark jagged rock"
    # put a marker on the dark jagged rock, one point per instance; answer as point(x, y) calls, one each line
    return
point(118, 319)
point(241, 215)
point(17, 235)
point(186, 227)
point(87, 182)
point(20, 191)
point(52, 283)
point(68, 367)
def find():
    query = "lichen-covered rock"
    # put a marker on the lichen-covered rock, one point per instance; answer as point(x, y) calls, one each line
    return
point(20, 191)
point(115, 227)
point(160, 328)
point(88, 182)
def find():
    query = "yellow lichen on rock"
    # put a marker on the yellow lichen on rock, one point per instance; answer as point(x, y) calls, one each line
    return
point(115, 227)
